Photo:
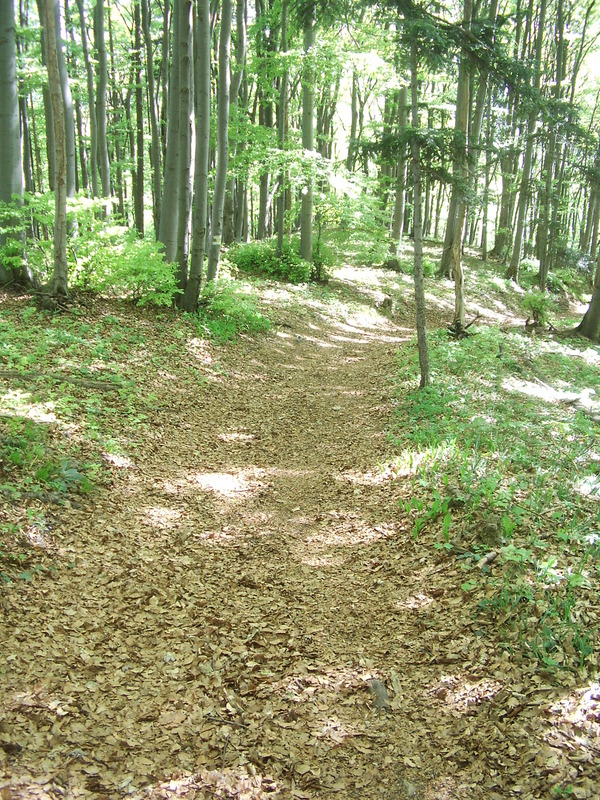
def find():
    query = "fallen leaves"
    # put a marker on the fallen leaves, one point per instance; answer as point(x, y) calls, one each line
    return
point(231, 598)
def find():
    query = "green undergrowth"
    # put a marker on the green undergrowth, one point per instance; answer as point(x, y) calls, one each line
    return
point(504, 458)
point(261, 258)
point(227, 309)
point(76, 393)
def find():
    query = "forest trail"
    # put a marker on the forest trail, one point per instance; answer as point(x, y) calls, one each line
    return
point(236, 589)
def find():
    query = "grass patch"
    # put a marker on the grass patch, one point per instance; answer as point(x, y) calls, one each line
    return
point(505, 459)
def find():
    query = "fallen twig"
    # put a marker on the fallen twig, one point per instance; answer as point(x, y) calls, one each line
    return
point(487, 559)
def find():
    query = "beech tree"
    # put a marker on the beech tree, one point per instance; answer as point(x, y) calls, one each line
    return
point(11, 169)
point(58, 285)
point(216, 228)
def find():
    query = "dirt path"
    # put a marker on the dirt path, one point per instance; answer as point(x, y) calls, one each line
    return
point(232, 596)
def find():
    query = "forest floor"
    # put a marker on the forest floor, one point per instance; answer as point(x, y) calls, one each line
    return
point(239, 608)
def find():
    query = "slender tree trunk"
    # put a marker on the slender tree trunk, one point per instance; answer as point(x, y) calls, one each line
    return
point(58, 286)
point(49, 125)
point(422, 345)
point(486, 182)
point(281, 127)
point(398, 217)
point(352, 144)
point(457, 210)
point(513, 269)
point(216, 228)
point(202, 110)
point(102, 76)
point(89, 72)
point(169, 205)
point(546, 236)
point(231, 198)
point(184, 191)
point(155, 153)
point(138, 176)
point(461, 174)
point(69, 111)
point(308, 128)
point(11, 172)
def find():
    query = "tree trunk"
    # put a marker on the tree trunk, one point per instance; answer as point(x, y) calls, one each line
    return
point(513, 269)
point(49, 125)
point(69, 111)
point(184, 190)
point(352, 144)
point(216, 228)
point(89, 71)
point(11, 173)
point(102, 76)
point(546, 236)
point(590, 324)
point(308, 127)
point(58, 286)
point(418, 236)
point(169, 208)
point(202, 109)
point(231, 197)
point(155, 154)
point(281, 130)
point(398, 217)
point(138, 176)
point(460, 173)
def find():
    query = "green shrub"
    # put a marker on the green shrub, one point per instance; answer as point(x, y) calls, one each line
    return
point(538, 306)
point(260, 258)
point(226, 309)
point(122, 264)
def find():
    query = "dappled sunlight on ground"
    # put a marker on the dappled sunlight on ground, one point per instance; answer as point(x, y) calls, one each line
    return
point(17, 403)
point(160, 517)
point(458, 694)
point(549, 394)
point(244, 575)
point(116, 460)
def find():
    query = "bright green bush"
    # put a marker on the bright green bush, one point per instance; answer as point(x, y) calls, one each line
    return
point(226, 309)
point(260, 258)
point(116, 261)
point(538, 306)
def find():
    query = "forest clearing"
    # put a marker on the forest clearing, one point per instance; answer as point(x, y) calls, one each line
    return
point(235, 570)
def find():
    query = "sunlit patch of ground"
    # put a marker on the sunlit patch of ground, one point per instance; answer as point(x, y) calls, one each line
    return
point(458, 694)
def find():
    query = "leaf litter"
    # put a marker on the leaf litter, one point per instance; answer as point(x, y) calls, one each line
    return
point(241, 610)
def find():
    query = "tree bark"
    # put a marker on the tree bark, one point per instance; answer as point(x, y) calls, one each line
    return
point(590, 324)
point(421, 319)
point(513, 269)
point(216, 228)
point(184, 190)
point(58, 286)
point(169, 209)
point(102, 77)
point(308, 128)
point(398, 215)
point(155, 154)
point(232, 196)
point(69, 110)
point(202, 109)
point(138, 177)
point(11, 172)
point(89, 72)
point(457, 209)
point(281, 130)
